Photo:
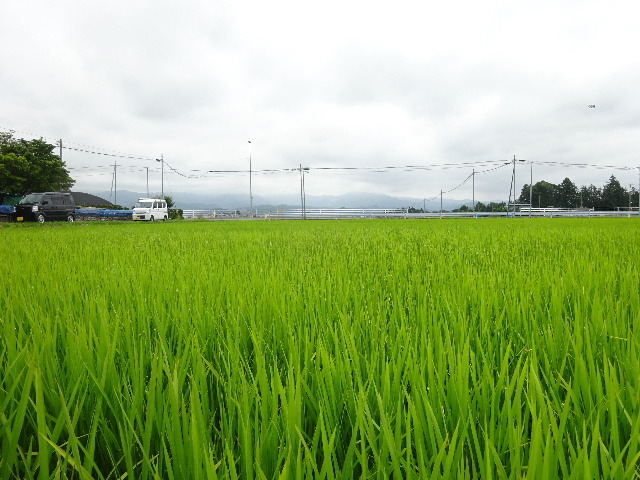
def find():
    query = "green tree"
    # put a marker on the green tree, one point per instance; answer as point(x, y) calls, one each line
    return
point(590, 196)
point(633, 191)
point(544, 194)
point(30, 166)
point(169, 200)
point(524, 194)
point(567, 195)
point(614, 195)
point(491, 207)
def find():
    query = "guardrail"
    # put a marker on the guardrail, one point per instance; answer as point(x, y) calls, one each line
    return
point(344, 213)
point(211, 214)
point(347, 213)
point(336, 213)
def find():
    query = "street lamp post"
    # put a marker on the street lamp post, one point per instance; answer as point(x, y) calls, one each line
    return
point(513, 187)
point(161, 160)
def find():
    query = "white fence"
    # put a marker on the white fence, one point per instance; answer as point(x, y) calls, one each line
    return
point(211, 214)
point(337, 213)
point(310, 213)
point(346, 213)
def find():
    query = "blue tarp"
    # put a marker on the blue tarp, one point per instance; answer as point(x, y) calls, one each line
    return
point(99, 212)
point(81, 212)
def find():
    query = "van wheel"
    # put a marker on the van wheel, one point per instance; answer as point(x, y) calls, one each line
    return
point(151, 219)
point(164, 219)
point(40, 218)
point(70, 218)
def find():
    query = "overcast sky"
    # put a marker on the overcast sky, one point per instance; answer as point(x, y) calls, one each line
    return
point(337, 83)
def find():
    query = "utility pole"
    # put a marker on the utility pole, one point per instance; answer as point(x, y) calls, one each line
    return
point(424, 205)
point(473, 190)
point(60, 149)
point(147, 181)
point(115, 183)
point(440, 204)
point(303, 200)
point(161, 159)
point(250, 175)
point(514, 188)
point(531, 189)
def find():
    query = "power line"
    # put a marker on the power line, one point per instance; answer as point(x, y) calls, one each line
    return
point(584, 165)
point(81, 147)
point(377, 169)
point(463, 182)
point(116, 155)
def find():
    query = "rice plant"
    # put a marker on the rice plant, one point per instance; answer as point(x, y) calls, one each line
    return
point(378, 349)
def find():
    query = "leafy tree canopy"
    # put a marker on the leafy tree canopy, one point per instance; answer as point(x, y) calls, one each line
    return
point(31, 166)
point(613, 194)
point(169, 200)
point(567, 195)
point(491, 207)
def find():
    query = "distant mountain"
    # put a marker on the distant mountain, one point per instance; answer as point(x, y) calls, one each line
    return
point(193, 201)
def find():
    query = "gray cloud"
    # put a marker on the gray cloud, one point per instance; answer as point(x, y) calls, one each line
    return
point(332, 84)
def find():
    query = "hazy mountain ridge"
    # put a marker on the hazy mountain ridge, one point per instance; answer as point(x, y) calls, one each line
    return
point(191, 201)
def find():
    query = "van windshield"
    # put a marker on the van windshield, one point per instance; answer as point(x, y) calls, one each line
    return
point(144, 204)
point(31, 198)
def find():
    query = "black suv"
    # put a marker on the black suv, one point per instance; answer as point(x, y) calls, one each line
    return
point(46, 206)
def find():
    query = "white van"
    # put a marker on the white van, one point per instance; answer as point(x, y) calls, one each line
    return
point(150, 209)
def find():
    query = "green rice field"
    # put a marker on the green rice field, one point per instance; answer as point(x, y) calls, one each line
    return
point(373, 349)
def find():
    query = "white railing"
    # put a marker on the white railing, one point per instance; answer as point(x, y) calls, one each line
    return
point(191, 214)
point(554, 209)
point(346, 213)
point(336, 213)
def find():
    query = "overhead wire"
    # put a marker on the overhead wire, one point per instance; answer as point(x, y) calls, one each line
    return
point(116, 155)
point(83, 148)
point(463, 182)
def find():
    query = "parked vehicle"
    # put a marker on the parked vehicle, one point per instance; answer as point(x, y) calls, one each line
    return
point(150, 209)
point(46, 206)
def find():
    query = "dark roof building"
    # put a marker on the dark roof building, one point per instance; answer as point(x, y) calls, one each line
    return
point(82, 199)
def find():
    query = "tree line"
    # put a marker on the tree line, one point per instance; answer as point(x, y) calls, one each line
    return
point(566, 194)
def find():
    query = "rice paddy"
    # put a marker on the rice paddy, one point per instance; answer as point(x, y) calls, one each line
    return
point(453, 349)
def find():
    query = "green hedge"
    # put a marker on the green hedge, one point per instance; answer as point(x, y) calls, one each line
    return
point(175, 214)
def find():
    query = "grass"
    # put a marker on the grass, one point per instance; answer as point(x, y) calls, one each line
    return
point(324, 349)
